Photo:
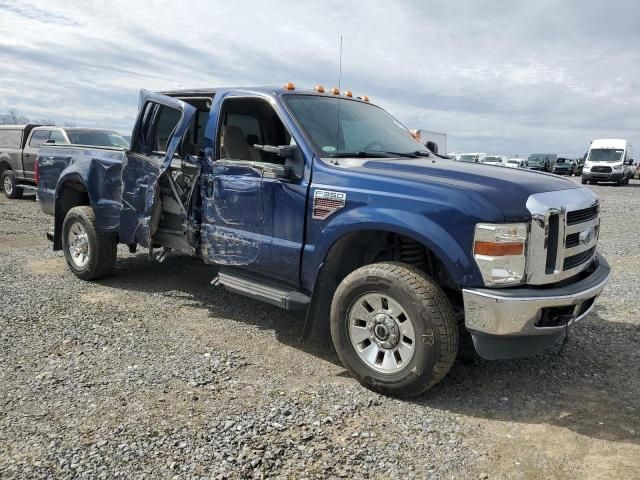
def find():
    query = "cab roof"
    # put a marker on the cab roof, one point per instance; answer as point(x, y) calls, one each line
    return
point(266, 90)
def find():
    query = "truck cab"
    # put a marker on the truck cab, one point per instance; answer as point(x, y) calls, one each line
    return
point(322, 202)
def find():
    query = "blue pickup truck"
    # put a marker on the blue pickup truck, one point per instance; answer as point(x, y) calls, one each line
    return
point(323, 202)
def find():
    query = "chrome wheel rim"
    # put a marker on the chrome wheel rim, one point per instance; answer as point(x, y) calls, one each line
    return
point(78, 244)
point(8, 185)
point(381, 332)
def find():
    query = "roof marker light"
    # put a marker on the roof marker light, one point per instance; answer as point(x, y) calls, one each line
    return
point(365, 98)
point(335, 91)
point(289, 86)
point(348, 93)
point(319, 89)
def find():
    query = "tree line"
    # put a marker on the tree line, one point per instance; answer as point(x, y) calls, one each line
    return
point(13, 117)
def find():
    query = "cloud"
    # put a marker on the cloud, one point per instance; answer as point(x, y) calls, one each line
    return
point(502, 77)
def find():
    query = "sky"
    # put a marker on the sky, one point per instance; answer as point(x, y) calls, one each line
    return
point(503, 77)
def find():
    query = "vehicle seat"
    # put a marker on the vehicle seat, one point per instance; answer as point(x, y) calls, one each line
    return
point(235, 143)
point(255, 154)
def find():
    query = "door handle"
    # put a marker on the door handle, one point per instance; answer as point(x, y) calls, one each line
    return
point(209, 187)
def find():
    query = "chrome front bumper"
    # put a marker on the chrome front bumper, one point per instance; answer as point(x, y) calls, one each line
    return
point(523, 312)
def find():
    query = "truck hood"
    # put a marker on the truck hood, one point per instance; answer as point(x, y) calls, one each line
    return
point(506, 188)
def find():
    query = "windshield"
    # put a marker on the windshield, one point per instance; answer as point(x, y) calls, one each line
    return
point(360, 127)
point(493, 159)
point(514, 162)
point(97, 138)
point(468, 158)
point(605, 155)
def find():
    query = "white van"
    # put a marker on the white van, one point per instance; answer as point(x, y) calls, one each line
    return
point(499, 160)
point(471, 157)
point(608, 160)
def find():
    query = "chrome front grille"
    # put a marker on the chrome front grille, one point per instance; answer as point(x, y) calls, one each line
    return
point(564, 234)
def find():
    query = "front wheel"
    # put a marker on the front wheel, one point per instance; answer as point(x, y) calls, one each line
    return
point(90, 254)
point(394, 329)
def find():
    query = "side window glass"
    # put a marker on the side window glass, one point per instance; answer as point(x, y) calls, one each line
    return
point(10, 138)
point(39, 137)
point(166, 121)
point(58, 137)
point(247, 122)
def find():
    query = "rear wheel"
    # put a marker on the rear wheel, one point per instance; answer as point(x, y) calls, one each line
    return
point(10, 185)
point(90, 254)
point(584, 181)
point(394, 329)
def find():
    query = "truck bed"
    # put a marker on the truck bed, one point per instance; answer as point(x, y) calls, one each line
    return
point(97, 169)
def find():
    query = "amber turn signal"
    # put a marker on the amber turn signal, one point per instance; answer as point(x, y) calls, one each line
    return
point(492, 249)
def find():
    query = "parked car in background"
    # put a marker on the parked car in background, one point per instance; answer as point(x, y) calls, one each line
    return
point(471, 157)
point(497, 160)
point(17, 158)
point(516, 163)
point(579, 165)
point(541, 161)
point(19, 146)
point(564, 166)
point(608, 160)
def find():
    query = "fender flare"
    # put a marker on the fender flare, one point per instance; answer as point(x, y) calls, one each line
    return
point(459, 265)
point(66, 179)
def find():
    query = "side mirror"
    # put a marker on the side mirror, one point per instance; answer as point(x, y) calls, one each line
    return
point(284, 151)
point(49, 141)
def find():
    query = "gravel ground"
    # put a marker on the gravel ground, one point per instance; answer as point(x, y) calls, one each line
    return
point(153, 373)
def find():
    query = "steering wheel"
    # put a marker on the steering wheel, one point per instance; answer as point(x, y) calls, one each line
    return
point(369, 146)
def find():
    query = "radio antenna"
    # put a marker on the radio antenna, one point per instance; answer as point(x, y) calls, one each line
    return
point(339, 91)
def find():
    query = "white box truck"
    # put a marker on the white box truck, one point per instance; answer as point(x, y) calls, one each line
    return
point(438, 139)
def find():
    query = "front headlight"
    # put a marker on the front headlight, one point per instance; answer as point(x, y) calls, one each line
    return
point(500, 252)
point(618, 167)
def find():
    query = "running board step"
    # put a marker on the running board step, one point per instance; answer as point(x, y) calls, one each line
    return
point(276, 294)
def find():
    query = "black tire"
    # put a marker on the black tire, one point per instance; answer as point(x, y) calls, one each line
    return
point(584, 181)
point(429, 312)
point(102, 247)
point(10, 185)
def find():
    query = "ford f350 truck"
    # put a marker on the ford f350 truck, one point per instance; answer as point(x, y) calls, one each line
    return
point(323, 202)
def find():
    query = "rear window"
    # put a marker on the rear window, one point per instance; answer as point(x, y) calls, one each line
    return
point(10, 138)
point(96, 138)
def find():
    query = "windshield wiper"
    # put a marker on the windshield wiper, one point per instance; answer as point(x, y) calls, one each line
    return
point(381, 154)
point(363, 154)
